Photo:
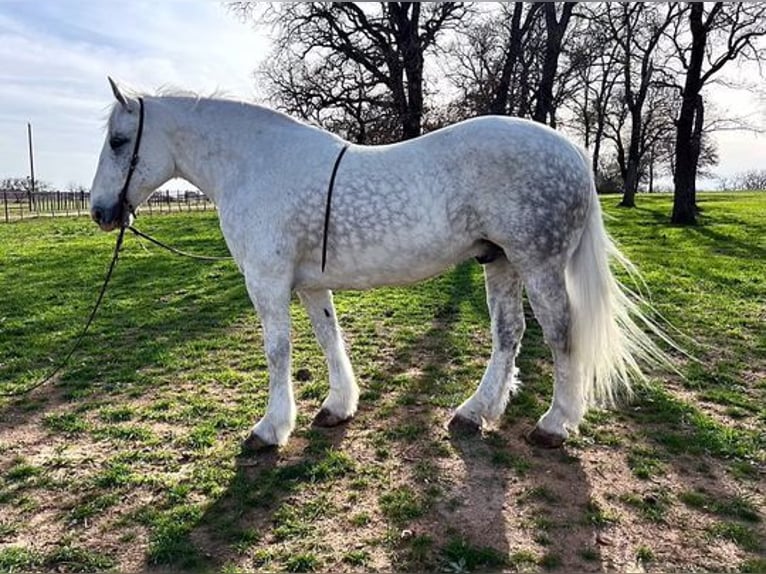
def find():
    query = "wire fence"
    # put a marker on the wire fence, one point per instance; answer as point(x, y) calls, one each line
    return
point(20, 205)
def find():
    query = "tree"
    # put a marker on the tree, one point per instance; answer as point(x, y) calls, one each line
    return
point(359, 60)
point(637, 27)
point(720, 33)
point(596, 73)
point(521, 21)
point(494, 62)
point(555, 26)
point(751, 180)
point(511, 61)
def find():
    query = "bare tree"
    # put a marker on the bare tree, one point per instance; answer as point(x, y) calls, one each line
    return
point(494, 61)
point(637, 27)
point(521, 21)
point(720, 33)
point(556, 22)
point(511, 62)
point(751, 180)
point(476, 66)
point(593, 53)
point(360, 58)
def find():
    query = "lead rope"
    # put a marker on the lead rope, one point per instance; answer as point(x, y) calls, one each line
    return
point(159, 243)
point(88, 323)
point(125, 225)
point(92, 315)
point(124, 218)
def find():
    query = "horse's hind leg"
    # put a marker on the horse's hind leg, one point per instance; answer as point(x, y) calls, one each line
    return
point(507, 315)
point(341, 403)
point(546, 289)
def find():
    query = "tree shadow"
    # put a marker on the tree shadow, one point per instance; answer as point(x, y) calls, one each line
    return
point(714, 239)
point(425, 378)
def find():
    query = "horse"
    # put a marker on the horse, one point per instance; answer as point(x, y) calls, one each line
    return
point(516, 195)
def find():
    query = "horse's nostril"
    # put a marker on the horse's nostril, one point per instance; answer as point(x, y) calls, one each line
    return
point(97, 214)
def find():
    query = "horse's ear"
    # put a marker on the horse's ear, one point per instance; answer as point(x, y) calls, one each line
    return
point(117, 94)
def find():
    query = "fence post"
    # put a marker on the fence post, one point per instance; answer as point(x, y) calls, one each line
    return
point(5, 201)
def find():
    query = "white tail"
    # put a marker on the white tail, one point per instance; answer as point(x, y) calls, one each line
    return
point(605, 338)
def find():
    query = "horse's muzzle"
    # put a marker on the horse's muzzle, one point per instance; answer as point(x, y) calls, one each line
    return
point(108, 218)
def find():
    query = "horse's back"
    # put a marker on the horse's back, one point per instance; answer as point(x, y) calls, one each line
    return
point(512, 181)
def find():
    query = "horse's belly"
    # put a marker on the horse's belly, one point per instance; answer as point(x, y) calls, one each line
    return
point(383, 264)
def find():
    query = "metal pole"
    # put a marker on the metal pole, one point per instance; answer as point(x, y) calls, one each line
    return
point(31, 164)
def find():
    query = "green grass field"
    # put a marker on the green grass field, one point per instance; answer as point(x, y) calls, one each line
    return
point(130, 459)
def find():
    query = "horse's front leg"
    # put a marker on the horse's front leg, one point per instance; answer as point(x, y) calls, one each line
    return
point(272, 300)
point(340, 405)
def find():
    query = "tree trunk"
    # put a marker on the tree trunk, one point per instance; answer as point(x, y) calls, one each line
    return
point(699, 125)
point(598, 136)
point(410, 99)
point(684, 193)
point(633, 161)
point(499, 104)
point(554, 30)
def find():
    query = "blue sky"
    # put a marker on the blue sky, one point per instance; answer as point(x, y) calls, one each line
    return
point(55, 56)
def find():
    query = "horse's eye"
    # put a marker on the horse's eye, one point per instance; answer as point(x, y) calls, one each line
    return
point(116, 142)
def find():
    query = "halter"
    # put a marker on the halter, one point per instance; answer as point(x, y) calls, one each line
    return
point(123, 197)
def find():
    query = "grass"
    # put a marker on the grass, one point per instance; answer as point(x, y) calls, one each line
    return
point(652, 506)
point(402, 505)
point(745, 537)
point(735, 507)
point(460, 555)
point(134, 449)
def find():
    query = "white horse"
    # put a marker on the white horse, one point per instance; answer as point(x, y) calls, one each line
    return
point(516, 195)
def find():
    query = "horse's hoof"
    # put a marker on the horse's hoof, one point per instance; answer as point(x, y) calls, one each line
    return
point(460, 425)
point(544, 439)
point(254, 443)
point(324, 418)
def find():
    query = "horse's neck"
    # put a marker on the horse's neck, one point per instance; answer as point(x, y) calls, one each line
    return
point(211, 138)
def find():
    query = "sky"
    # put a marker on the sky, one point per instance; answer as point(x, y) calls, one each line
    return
point(55, 56)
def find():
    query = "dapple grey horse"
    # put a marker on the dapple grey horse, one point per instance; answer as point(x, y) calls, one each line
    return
point(516, 195)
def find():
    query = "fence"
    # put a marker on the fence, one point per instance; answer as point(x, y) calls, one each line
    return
point(18, 205)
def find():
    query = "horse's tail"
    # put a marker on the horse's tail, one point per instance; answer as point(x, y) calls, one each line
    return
point(605, 336)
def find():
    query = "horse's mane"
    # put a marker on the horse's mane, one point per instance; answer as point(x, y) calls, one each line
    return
point(195, 97)
point(168, 91)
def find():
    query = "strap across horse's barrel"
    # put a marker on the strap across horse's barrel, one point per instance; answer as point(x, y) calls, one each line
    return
point(329, 204)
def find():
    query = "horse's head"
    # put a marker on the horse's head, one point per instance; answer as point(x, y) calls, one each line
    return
point(128, 141)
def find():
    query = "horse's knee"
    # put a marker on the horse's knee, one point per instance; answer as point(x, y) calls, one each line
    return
point(277, 349)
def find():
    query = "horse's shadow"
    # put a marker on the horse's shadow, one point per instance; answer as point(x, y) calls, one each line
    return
point(484, 500)
point(262, 485)
point(486, 516)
